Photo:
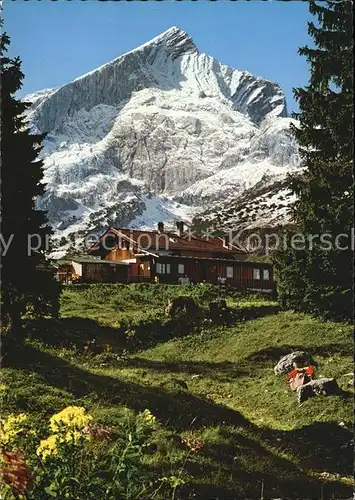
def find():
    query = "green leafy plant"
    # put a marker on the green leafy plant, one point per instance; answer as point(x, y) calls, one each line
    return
point(78, 459)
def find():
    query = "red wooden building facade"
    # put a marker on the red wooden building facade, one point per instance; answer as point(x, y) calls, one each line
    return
point(166, 257)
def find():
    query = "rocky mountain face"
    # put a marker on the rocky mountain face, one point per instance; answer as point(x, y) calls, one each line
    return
point(162, 132)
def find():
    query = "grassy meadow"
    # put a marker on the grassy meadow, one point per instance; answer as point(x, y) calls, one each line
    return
point(204, 381)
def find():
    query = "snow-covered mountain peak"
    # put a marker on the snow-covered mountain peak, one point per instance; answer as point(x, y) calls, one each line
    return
point(161, 130)
point(175, 40)
point(168, 61)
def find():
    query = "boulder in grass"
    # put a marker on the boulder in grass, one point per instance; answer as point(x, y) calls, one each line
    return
point(285, 364)
point(182, 304)
point(319, 387)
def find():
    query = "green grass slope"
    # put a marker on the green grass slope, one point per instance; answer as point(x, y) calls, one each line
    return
point(214, 383)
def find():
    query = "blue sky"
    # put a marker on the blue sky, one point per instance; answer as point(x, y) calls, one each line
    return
point(59, 41)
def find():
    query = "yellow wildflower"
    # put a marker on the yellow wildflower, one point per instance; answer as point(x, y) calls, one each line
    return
point(72, 417)
point(50, 445)
point(68, 427)
point(3, 387)
point(47, 447)
point(11, 427)
point(73, 436)
point(148, 417)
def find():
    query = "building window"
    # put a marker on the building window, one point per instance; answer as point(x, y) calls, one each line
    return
point(229, 272)
point(163, 268)
point(256, 273)
point(266, 274)
point(181, 269)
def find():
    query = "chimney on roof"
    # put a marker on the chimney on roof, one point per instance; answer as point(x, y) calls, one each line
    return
point(180, 227)
point(160, 227)
point(226, 241)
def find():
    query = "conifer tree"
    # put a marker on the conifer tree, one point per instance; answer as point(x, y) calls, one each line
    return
point(27, 285)
point(319, 278)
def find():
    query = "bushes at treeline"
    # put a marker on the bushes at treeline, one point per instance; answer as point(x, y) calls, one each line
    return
point(318, 279)
point(139, 312)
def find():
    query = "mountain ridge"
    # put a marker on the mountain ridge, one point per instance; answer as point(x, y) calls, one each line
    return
point(158, 123)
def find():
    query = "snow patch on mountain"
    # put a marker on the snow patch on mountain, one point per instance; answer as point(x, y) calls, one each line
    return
point(159, 209)
point(272, 152)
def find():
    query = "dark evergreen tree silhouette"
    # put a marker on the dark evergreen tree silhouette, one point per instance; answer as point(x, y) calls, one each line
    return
point(319, 279)
point(27, 284)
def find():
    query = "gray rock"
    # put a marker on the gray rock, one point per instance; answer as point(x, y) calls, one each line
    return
point(319, 387)
point(286, 362)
